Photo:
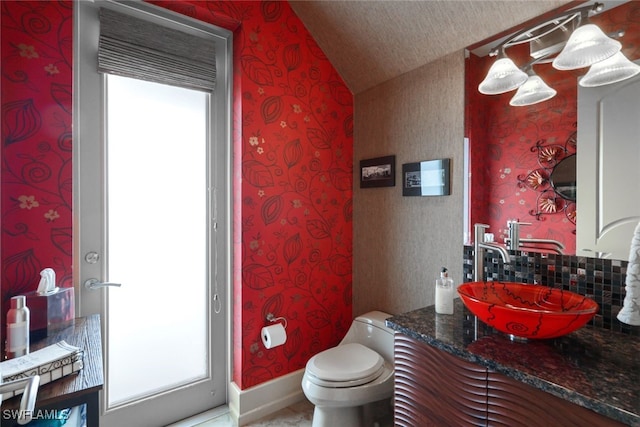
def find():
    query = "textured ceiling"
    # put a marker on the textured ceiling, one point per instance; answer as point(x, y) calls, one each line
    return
point(372, 41)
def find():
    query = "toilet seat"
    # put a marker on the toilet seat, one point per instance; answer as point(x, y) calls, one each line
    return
point(346, 365)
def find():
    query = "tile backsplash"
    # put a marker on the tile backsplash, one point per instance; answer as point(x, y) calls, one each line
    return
point(603, 280)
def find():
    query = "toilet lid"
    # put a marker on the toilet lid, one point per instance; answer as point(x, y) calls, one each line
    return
point(345, 362)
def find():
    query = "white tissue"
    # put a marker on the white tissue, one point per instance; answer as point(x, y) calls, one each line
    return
point(630, 312)
point(47, 283)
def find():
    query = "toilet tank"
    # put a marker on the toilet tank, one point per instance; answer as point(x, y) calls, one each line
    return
point(369, 330)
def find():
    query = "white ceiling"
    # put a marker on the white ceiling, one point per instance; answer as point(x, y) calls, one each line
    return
point(372, 41)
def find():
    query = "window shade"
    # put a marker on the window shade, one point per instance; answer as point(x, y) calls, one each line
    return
point(140, 49)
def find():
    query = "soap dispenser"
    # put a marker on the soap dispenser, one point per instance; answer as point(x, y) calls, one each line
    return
point(444, 293)
point(17, 328)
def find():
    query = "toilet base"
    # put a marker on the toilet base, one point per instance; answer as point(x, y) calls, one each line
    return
point(332, 417)
point(374, 414)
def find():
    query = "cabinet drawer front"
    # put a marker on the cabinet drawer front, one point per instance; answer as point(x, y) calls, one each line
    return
point(512, 403)
point(435, 388)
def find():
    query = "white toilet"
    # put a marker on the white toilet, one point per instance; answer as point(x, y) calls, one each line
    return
point(342, 381)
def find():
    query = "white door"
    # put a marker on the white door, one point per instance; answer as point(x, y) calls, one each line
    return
point(152, 232)
point(608, 169)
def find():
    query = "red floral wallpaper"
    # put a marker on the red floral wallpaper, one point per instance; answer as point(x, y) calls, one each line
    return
point(503, 139)
point(36, 174)
point(293, 148)
point(293, 164)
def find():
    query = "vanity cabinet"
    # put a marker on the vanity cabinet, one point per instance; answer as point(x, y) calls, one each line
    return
point(435, 388)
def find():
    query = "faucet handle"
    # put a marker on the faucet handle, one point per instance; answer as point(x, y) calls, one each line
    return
point(516, 222)
point(479, 231)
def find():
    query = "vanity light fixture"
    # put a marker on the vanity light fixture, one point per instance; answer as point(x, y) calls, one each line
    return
point(586, 46)
point(611, 70)
point(503, 76)
point(532, 91)
point(579, 43)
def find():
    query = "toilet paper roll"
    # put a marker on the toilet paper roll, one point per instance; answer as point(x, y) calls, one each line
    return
point(274, 335)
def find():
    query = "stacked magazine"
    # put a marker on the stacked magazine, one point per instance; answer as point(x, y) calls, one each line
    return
point(52, 362)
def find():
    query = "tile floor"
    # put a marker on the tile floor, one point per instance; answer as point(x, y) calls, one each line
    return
point(297, 415)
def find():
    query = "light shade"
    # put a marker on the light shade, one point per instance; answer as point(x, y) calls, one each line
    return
point(586, 46)
point(611, 70)
point(534, 90)
point(502, 77)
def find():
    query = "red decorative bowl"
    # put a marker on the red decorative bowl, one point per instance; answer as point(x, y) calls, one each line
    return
point(527, 311)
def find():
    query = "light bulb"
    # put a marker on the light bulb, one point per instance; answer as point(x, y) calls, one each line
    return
point(502, 77)
point(586, 46)
point(611, 70)
point(533, 91)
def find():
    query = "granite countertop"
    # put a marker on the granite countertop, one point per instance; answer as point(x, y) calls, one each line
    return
point(594, 368)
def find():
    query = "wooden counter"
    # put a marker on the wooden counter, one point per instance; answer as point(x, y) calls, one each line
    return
point(75, 389)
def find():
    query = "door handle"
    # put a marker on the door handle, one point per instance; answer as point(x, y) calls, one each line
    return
point(96, 284)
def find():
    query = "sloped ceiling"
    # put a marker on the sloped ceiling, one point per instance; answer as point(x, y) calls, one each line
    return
point(372, 41)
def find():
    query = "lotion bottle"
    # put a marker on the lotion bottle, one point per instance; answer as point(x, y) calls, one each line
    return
point(17, 328)
point(444, 293)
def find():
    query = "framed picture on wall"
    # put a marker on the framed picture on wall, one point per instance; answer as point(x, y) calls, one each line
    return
point(427, 178)
point(378, 172)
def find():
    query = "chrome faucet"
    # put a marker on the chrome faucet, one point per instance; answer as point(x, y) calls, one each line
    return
point(555, 246)
point(479, 246)
point(515, 242)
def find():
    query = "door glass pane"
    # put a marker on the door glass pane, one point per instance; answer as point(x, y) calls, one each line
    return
point(157, 238)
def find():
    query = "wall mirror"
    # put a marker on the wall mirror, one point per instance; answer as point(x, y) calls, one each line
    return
point(505, 141)
point(563, 178)
point(554, 181)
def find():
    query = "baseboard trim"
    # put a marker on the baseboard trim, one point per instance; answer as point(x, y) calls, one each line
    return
point(247, 406)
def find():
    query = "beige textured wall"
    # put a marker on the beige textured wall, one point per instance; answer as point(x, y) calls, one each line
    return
point(400, 243)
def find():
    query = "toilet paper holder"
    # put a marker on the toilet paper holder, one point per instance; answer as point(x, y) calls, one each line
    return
point(271, 318)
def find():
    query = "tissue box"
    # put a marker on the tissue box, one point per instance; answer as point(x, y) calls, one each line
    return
point(51, 312)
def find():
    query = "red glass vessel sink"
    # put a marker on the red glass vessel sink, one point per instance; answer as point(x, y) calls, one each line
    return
point(527, 311)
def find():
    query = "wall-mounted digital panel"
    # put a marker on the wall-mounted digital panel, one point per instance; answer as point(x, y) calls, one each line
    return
point(427, 178)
